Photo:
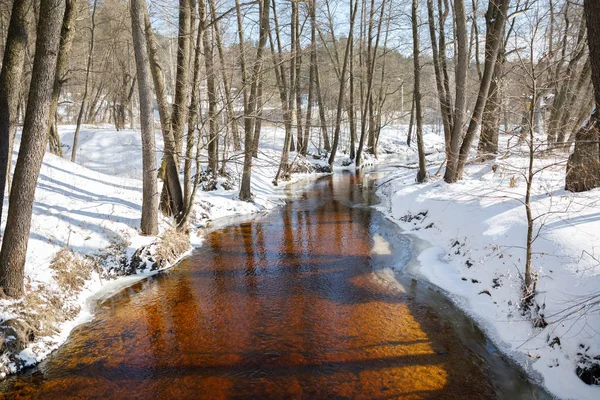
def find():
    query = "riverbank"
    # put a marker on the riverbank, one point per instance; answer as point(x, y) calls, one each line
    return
point(84, 235)
point(477, 228)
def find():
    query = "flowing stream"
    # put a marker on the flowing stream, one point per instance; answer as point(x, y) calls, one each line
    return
point(299, 303)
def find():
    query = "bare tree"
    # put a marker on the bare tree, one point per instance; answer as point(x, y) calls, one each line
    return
point(422, 172)
point(245, 193)
point(33, 146)
point(87, 81)
point(149, 224)
point(172, 198)
point(62, 65)
point(10, 85)
point(338, 115)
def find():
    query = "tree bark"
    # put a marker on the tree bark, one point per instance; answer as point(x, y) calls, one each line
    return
point(62, 64)
point(172, 200)
point(33, 147)
point(226, 84)
point(460, 105)
point(211, 89)
point(10, 85)
point(193, 118)
point(179, 114)
point(583, 168)
point(149, 224)
point(338, 117)
point(445, 107)
point(245, 192)
point(422, 172)
point(90, 60)
point(496, 22)
point(371, 57)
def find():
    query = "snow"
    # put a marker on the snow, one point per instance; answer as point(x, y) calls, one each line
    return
point(469, 237)
point(475, 231)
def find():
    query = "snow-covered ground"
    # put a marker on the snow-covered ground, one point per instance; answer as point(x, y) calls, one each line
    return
point(476, 231)
point(93, 208)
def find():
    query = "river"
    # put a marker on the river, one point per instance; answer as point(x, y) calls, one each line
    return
point(298, 303)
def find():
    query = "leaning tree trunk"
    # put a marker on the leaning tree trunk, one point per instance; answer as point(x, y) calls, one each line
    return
point(33, 147)
point(10, 85)
point(173, 198)
point(149, 224)
point(583, 168)
point(496, 21)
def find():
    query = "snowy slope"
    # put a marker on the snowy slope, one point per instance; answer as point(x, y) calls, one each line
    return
point(477, 229)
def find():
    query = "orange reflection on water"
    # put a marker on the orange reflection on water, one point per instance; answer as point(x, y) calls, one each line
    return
point(282, 307)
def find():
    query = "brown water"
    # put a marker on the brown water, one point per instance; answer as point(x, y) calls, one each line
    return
point(291, 305)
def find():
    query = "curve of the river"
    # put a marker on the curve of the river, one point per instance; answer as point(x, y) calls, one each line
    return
point(299, 303)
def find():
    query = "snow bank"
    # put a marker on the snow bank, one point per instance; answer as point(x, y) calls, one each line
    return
point(477, 231)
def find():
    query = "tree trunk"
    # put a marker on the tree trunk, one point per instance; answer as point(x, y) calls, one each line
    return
point(422, 172)
point(460, 106)
point(188, 200)
point(226, 85)
point(172, 198)
point(583, 168)
point(438, 54)
point(496, 22)
point(211, 89)
point(351, 113)
point(149, 224)
point(245, 193)
point(10, 85)
point(311, 74)
point(371, 57)
point(62, 64)
point(33, 147)
point(87, 81)
point(412, 121)
point(338, 117)
point(179, 114)
point(490, 122)
point(282, 84)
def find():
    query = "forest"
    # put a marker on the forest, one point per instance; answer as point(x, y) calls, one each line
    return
point(131, 131)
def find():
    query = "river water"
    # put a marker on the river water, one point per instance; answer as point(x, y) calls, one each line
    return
point(299, 303)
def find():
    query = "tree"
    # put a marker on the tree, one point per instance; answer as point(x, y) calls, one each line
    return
point(422, 172)
point(583, 168)
point(33, 146)
point(245, 193)
point(149, 223)
point(338, 115)
point(172, 198)
point(62, 65)
point(10, 85)
point(495, 22)
point(90, 60)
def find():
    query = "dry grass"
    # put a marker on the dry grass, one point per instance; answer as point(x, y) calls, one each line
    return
point(70, 271)
point(172, 245)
